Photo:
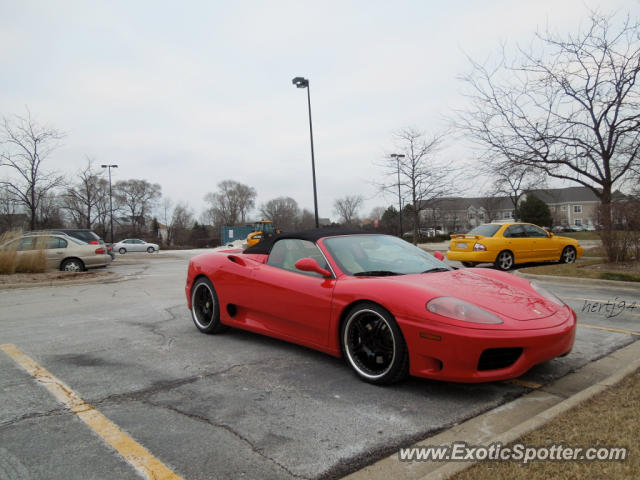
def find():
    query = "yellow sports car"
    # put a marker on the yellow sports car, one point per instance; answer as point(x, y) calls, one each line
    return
point(505, 244)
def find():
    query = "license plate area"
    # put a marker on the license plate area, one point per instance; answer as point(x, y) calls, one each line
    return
point(461, 245)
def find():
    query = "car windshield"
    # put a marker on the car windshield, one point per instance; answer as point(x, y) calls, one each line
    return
point(380, 255)
point(487, 230)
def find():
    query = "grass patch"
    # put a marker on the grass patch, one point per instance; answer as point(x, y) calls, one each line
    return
point(622, 277)
point(580, 235)
point(608, 419)
point(592, 268)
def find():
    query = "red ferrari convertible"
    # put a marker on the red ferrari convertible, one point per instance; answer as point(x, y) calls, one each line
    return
point(388, 307)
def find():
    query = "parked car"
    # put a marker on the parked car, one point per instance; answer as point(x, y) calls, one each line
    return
point(389, 308)
point(84, 234)
point(134, 245)
point(61, 251)
point(507, 244)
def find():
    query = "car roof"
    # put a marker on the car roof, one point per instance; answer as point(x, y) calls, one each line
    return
point(265, 245)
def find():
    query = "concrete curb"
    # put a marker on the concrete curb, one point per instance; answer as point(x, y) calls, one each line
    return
point(579, 281)
point(508, 422)
point(110, 277)
point(450, 469)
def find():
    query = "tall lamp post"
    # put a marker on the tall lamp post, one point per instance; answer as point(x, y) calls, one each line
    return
point(110, 201)
point(301, 82)
point(398, 156)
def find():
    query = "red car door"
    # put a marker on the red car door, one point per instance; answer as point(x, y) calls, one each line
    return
point(290, 302)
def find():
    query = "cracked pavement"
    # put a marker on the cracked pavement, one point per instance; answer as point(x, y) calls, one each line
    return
point(235, 405)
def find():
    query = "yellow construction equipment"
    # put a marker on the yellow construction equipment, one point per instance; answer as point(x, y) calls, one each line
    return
point(261, 229)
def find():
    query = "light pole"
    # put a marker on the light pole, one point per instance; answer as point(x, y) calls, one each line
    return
point(398, 156)
point(301, 82)
point(110, 202)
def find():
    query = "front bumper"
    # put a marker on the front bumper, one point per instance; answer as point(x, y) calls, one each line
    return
point(454, 354)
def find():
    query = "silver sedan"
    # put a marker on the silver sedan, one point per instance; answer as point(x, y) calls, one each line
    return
point(134, 245)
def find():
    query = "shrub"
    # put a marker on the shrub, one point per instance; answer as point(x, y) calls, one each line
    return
point(29, 261)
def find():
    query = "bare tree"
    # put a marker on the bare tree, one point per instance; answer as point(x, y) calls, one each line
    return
point(136, 198)
point(282, 211)
point(567, 107)
point(231, 203)
point(50, 213)
point(181, 224)
point(166, 210)
point(82, 199)
point(306, 220)
point(490, 203)
point(423, 177)
point(347, 208)
point(26, 144)
point(9, 214)
point(513, 180)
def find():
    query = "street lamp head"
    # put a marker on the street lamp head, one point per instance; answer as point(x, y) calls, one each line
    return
point(397, 155)
point(104, 166)
point(300, 82)
point(109, 166)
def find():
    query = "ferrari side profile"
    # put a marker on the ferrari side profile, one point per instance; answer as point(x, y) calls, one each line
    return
point(389, 308)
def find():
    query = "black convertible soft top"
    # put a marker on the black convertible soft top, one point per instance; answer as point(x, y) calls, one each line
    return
point(264, 246)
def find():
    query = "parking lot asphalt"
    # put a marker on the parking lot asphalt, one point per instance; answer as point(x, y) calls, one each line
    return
point(235, 405)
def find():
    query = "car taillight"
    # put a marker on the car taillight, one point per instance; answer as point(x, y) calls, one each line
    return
point(100, 251)
point(94, 242)
point(478, 247)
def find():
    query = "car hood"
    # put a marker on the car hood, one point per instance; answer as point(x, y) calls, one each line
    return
point(566, 239)
point(500, 296)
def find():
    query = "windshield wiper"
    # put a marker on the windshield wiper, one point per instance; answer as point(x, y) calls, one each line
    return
point(377, 273)
point(437, 269)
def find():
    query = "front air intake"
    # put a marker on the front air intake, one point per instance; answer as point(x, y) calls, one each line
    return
point(497, 358)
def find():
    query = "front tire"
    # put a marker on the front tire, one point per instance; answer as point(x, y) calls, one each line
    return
point(373, 345)
point(72, 265)
point(205, 309)
point(504, 260)
point(568, 255)
point(151, 250)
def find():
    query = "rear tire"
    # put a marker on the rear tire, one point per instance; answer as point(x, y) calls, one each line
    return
point(373, 345)
point(469, 264)
point(504, 260)
point(122, 251)
point(72, 265)
point(205, 309)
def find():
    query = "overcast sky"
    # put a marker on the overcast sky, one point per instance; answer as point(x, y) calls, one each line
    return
point(186, 94)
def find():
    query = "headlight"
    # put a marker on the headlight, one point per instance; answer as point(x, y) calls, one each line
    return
point(546, 294)
point(457, 309)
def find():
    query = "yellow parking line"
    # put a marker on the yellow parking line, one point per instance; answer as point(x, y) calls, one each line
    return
point(138, 456)
point(525, 383)
point(609, 329)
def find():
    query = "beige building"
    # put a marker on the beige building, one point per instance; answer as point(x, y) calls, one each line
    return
point(569, 206)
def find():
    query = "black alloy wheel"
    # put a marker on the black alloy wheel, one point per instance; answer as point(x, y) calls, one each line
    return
point(373, 345)
point(205, 309)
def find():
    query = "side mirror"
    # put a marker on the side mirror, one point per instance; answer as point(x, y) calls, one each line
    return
point(439, 256)
point(310, 265)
